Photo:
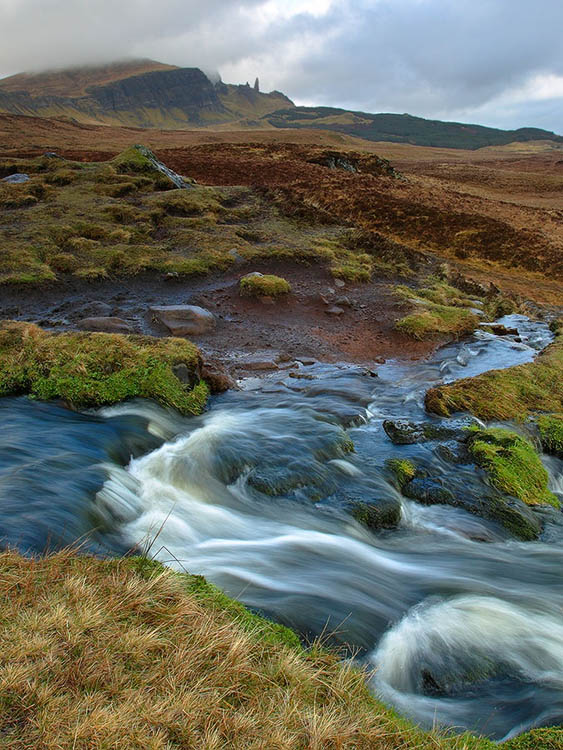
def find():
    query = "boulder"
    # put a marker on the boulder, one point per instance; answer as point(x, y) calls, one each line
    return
point(403, 432)
point(216, 377)
point(516, 517)
point(184, 320)
point(105, 325)
point(16, 179)
point(384, 513)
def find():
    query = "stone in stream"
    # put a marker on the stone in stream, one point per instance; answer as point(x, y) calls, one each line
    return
point(384, 513)
point(105, 325)
point(403, 432)
point(184, 320)
point(499, 330)
point(511, 513)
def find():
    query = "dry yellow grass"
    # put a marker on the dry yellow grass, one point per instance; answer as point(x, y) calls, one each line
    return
point(117, 655)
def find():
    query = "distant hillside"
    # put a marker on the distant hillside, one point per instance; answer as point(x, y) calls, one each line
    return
point(141, 93)
point(404, 128)
point(149, 94)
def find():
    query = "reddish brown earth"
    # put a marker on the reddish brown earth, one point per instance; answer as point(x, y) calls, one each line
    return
point(250, 333)
point(497, 214)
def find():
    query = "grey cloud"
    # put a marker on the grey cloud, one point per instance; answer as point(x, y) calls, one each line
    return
point(439, 58)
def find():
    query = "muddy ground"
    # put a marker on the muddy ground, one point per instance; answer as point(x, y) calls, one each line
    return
point(250, 335)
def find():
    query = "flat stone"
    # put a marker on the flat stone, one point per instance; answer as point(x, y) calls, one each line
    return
point(96, 309)
point(105, 325)
point(185, 320)
point(258, 364)
point(344, 302)
point(16, 179)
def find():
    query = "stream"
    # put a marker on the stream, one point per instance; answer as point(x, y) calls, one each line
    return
point(458, 623)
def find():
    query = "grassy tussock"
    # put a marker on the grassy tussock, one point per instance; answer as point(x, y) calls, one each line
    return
point(514, 393)
point(67, 219)
point(116, 656)
point(438, 310)
point(264, 286)
point(92, 369)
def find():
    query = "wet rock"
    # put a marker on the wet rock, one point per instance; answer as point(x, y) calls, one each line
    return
point(306, 360)
point(454, 452)
point(344, 302)
point(216, 377)
point(429, 492)
point(335, 310)
point(259, 363)
point(380, 514)
point(96, 309)
point(105, 325)
point(402, 432)
point(16, 179)
point(499, 330)
point(516, 517)
point(184, 320)
point(185, 375)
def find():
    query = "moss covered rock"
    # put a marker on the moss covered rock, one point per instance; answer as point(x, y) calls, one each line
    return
point(551, 433)
point(258, 285)
point(93, 369)
point(402, 469)
point(512, 464)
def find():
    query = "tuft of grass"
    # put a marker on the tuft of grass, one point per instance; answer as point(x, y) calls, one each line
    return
point(127, 654)
point(512, 393)
point(550, 738)
point(402, 469)
point(264, 286)
point(439, 310)
point(93, 369)
point(512, 464)
point(550, 427)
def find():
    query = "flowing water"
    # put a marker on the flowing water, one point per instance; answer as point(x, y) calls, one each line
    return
point(461, 622)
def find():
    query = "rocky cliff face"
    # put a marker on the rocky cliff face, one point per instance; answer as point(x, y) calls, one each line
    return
point(164, 98)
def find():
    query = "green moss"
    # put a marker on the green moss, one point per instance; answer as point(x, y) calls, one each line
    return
point(512, 393)
point(264, 286)
point(512, 464)
point(437, 321)
point(551, 433)
point(92, 369)
point(135, 159)
point(441, 310)
point(402, 469)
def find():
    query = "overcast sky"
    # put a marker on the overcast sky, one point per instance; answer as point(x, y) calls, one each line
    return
point(496, 62)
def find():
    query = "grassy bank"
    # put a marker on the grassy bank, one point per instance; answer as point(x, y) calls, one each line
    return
point(513, 393)
point(122, 217)
point(94, 369)
point(127, 655)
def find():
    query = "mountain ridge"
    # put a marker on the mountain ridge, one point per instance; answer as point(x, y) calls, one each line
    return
point(149, 94)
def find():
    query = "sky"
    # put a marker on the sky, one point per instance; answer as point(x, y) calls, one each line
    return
point(494, 62)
